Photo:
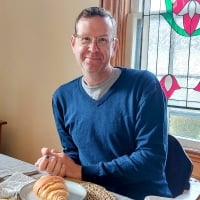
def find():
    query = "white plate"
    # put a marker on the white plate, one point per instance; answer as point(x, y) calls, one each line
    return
point(156, 198)
point(76, 191)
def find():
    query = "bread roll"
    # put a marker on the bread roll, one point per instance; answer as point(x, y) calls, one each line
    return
point(49, 187)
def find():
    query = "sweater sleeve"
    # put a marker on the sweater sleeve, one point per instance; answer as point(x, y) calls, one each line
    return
point(147, 162)
point(64, 133)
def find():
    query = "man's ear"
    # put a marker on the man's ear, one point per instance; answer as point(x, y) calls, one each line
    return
point(72, 42)
point(115, 46)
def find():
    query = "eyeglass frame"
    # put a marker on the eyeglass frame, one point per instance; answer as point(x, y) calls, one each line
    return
point(99, 42)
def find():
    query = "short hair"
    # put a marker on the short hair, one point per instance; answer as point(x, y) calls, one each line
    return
point(95, 11)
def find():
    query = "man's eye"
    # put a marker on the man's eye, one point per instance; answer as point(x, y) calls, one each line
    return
point(103, 39)
point(85, 39)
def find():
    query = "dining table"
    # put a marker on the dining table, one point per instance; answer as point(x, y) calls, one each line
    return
point(13, 168)
point(21, 174)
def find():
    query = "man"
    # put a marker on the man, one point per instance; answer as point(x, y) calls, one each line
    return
point(111, 121)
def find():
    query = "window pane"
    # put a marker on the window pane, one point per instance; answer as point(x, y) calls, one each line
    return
point(167, 52)
point(184, 123)
point(171, 53)
point(194, 56)
point(159, 45)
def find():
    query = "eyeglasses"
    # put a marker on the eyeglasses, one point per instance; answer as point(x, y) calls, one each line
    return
point(101, 41)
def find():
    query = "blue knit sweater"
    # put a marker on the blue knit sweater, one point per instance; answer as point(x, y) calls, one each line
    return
point(121, 139)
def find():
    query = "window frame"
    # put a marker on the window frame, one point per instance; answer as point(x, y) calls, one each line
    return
point(133, 52)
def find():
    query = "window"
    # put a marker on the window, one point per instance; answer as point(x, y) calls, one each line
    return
point(166, 38)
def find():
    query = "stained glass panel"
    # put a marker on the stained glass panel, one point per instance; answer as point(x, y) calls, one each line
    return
point(170, 48)
point(173, 48)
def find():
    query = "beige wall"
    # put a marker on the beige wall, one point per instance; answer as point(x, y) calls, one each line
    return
point(35, 58)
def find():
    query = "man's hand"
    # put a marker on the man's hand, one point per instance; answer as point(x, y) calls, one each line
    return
point(57, 163)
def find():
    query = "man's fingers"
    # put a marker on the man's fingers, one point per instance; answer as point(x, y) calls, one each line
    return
point(54, 151)
point(42, 163)
point(45, 151)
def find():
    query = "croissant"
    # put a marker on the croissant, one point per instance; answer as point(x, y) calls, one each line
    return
point(49, 187)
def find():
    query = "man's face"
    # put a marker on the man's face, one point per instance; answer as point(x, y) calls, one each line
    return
point(94, 43)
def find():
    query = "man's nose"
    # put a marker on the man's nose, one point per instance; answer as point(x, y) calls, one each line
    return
point(93, 45)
